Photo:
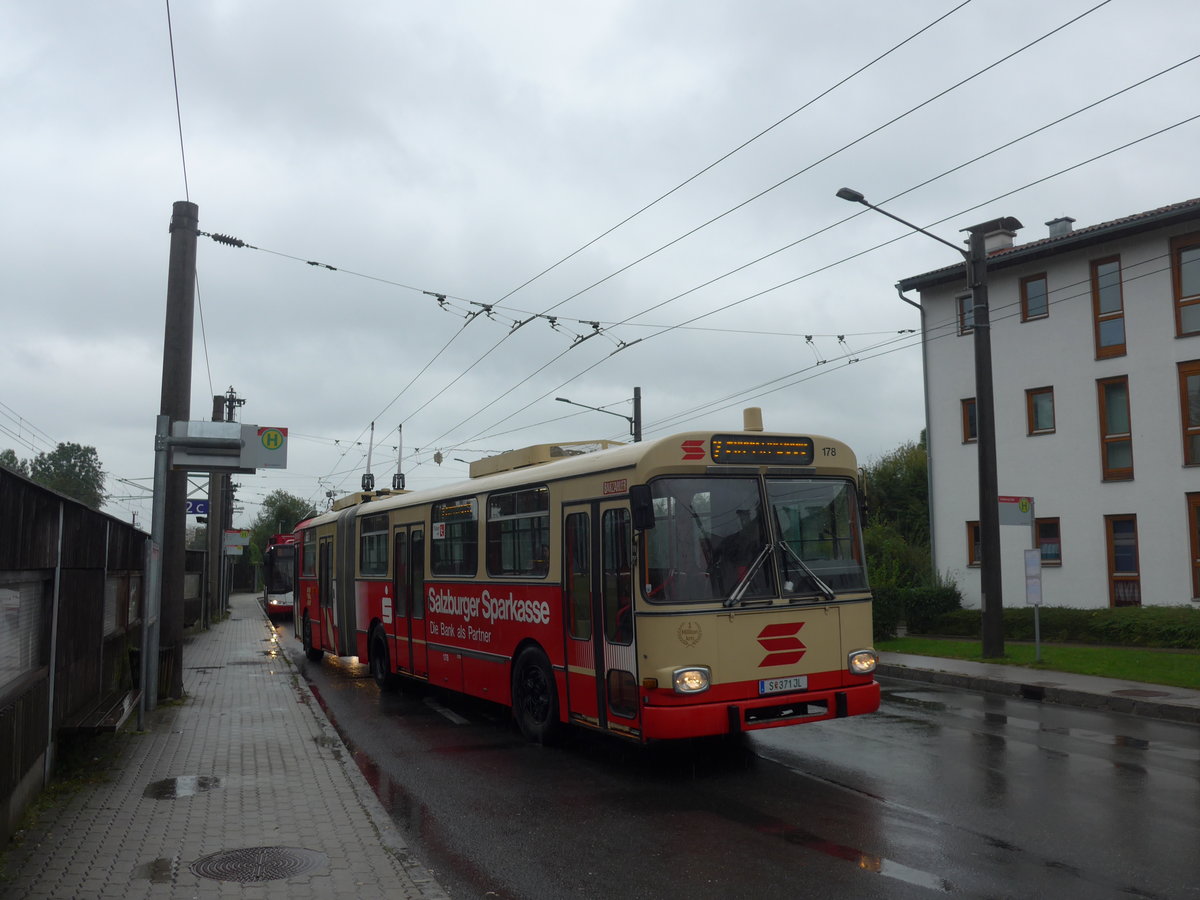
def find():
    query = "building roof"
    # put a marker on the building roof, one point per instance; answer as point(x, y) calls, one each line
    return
point(1072, 240)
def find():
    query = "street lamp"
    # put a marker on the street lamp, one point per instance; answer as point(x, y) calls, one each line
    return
point(975, 258)
point(635, 421)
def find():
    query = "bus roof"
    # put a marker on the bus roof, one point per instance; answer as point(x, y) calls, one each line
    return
point(686, 452)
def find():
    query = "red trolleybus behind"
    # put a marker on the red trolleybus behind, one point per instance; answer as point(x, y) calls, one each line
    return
point(700, 584)
point(279, 573)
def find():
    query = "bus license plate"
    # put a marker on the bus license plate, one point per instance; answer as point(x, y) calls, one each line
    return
point(782, 685)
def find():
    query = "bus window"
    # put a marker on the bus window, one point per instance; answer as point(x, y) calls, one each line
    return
point(617, 579)
point(372, 545)
point(308, 558)
point(518, 532)
point(455, 537)
point(416, 574)
point(709, 540)
point(818, 522)
point(577, 574)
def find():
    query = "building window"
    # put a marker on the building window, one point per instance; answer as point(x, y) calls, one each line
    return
point(1049, 541)
point(1189, 401)
point(1039, 409)
point(1185, 279)
point(1124, 585)
point(455, 534)
point(974, 544)
point(1108, 307)
point(1116, 439)
point(518, 533)
point(970, 430)
point(1035, 300)
point(373, 545)
point(966, 314)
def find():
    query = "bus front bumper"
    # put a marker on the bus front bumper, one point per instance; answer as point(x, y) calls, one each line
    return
point(753, 714)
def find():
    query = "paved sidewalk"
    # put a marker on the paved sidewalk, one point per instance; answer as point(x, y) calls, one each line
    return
point(1087, 691)
point(248, 762)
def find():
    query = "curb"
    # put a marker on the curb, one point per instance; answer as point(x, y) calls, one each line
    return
point(1148, 708)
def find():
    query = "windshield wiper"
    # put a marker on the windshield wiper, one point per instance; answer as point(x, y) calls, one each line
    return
point(821, 586)
point(735, 596)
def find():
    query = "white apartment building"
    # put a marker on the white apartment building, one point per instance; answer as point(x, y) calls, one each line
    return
point(1096, 373)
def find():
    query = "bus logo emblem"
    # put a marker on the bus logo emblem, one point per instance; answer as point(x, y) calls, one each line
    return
point(693, 449)
point(782, 646)
point(689, 634)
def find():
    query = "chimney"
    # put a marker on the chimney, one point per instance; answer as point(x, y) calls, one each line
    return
point(1000, 239)
point(1059, 227)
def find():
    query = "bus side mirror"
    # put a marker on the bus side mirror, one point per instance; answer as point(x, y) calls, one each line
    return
point(641, 506)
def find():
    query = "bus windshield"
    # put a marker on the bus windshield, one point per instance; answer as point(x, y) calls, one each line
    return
point(277, 568)
point(716, 539)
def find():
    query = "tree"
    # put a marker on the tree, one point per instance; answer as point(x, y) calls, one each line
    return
point(279, 514)
point(73, 470)
point(897, 532)
point(898, 491)
point(9, 460)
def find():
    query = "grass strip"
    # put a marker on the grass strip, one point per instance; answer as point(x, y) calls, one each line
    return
point(1176, 668)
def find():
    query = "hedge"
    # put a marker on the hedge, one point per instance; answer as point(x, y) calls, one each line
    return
point(1175, 627)
point(919, 608)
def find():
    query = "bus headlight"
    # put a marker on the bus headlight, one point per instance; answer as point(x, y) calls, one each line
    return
point(862, 662)
point(692, 680)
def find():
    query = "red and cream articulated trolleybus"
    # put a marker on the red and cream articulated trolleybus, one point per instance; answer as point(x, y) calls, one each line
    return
point(700, 584)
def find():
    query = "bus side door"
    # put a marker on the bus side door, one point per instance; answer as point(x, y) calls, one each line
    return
point(325, 588)
point(408, 648)
point(598, 595)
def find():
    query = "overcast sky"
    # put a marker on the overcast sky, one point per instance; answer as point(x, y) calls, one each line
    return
point(466, 148)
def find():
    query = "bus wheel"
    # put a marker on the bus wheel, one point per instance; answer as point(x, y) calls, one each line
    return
point(535, 699)
point(313, 654)
point(381, 663)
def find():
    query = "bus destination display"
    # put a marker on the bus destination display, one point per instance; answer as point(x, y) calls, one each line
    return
point(731, 449)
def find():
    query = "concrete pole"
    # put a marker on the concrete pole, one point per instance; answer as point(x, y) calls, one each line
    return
point(176, 404)
point(992, 627)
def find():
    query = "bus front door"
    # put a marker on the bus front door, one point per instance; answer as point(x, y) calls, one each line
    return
point(598, 595)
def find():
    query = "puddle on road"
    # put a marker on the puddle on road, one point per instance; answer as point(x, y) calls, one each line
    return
point(158, 871)
point(181, 786)
point(868, 862)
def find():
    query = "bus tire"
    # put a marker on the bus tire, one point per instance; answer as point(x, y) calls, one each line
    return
point(535, 697)
point(313, 654)
point(381, 662)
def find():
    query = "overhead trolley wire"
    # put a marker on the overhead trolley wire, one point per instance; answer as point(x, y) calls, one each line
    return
point(735, 150)
point(779, 184)
point(597, 363)
point(831, 155)
point(687, 181)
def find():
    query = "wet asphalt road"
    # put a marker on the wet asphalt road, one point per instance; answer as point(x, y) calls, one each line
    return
point(941, 793)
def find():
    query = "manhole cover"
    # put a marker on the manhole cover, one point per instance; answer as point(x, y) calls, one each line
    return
point(1138, 692)
point(253, 864)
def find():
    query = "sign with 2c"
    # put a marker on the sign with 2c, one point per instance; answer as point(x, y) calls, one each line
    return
point(197, 507)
